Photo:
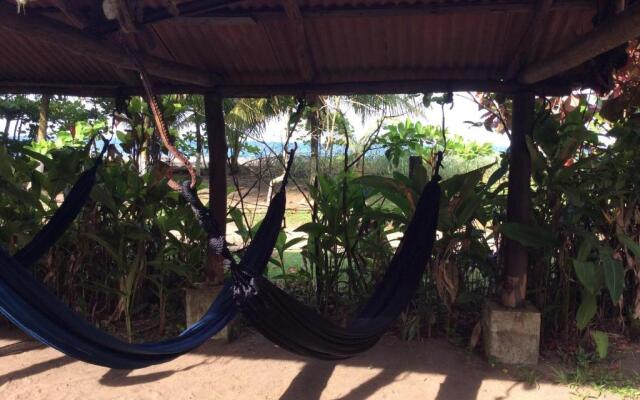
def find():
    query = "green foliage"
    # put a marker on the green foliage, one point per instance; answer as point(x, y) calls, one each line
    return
point(414, 138)
point(601, 340)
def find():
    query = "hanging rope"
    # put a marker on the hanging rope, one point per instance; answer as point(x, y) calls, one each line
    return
point(161, 126)
point(447, 98)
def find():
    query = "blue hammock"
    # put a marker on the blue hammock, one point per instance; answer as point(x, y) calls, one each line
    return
point(28, 303)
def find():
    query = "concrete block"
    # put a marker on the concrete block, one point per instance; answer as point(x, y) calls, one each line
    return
point(511, 336)
point(197, 302)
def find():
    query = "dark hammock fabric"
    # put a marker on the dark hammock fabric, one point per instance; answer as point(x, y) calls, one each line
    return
point(299, 329)
point(29, 305)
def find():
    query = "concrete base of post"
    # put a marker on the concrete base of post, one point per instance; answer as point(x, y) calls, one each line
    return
point(197, 302)
point(511, 336)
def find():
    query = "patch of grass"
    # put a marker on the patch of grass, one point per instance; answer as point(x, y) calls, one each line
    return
point(601, 379)
point(295, 218)
point(292, 260)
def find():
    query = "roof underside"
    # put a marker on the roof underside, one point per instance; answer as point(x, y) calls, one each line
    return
point(259, 47)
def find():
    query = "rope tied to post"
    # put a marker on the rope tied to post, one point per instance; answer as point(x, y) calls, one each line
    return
point(161, 126)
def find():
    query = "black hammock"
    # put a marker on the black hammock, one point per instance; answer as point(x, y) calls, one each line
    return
point(29, 305)
point(275, 314)
point(299, 329)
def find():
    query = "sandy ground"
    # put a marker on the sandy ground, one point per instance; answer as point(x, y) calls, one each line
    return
point(253, 368)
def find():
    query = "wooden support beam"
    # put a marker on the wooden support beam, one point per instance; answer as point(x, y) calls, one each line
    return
point(71, 13)
point(531, 38)
point(515, 256)
point(610, 34)
point(99, 89)
point(217, 142)
point(58, 34)
point(299, 37)
point(218, 10)
point(339, 11)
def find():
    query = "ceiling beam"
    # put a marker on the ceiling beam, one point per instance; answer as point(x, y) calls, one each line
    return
point(431, 8)
point(438, 8)
point(530, 39)
point(608, 35)
point(101, 89)
point(45, 30)
point(299, 38)
point(71, 13)
point(216, 10)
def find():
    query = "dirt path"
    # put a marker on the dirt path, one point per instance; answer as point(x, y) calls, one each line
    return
point(253, 368)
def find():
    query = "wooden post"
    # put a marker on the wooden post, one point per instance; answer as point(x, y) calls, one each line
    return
point(217, 141)
point(414, 162)
point(516, 259)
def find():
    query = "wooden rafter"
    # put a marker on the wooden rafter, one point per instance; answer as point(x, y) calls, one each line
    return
point(99, 89)
point(299, 37)
point(71, 13)
point(610, 34)
point(216, 12)
point(45, 30)
point(530, 39)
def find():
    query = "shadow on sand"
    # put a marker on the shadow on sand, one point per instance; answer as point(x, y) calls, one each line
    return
point(463, 372)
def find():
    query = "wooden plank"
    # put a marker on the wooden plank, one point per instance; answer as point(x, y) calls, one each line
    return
point(313, 89)
point(530, 39)
point(608, 35)
point(516, 258)
point(45, 30)
point(71, 13)
point(299, 38)
point(216, 10)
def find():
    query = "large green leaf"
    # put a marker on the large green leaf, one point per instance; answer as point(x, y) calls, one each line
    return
point(19, 195)
point(589, 274)
point(586, 311)
point(103, 196)
point(6, 167)
point(466, 209)
point(631, 244)
point(584, 250)
point(497, 175)
point(395, 191)
point(602, 343)
point(527, 235)
point(312, 228)
point(613, 277)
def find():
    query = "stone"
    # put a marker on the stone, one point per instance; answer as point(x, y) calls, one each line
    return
point(511, 336)
point(197, 302)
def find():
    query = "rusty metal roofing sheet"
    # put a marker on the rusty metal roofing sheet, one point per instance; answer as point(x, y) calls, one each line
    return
point(252, 42)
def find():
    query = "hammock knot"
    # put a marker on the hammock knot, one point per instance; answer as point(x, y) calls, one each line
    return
point(244, 286)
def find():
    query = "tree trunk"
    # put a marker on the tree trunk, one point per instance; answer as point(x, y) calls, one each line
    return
point(217, 142)
point(314, 133)
point(5, 133)
point(234, 166)
point(17, 128)
point(516, 259)
point(43, 118)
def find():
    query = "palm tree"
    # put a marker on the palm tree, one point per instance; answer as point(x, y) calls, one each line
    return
point(243, 118)
point(328, 114)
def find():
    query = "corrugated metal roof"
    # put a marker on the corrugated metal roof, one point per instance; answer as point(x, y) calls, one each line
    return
point(252, 42)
